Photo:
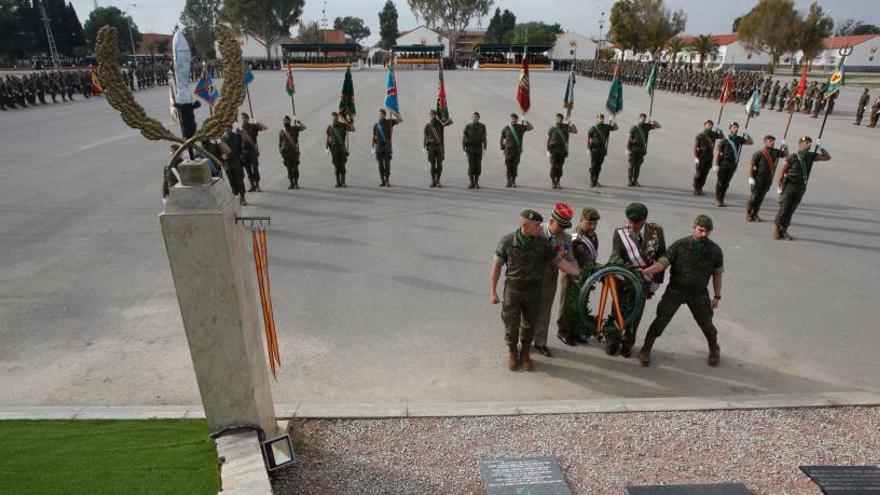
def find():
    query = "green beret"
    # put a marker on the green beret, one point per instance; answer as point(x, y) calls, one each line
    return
point(703, 221)
point(590, 214)
point(531, 215)
point(636, 212)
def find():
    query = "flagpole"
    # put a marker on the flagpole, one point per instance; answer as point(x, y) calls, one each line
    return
point(843, 52)
point(250, 107)
point(174, 101)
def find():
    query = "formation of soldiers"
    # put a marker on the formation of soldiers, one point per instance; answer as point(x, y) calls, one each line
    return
point(146, 75)
point(42, 88)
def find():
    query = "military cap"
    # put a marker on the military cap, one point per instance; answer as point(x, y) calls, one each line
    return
point(636, 212)
point(562, 214)
point(805, 139)
point(590, 214)
point(531, 215)
point(703, 221)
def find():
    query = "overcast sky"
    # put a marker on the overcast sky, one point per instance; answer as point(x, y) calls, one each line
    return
point(582, 16)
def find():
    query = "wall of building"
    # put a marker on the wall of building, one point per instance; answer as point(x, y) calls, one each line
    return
point(424, 35)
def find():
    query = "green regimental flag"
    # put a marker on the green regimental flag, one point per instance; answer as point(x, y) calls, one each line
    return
point(346, 100)
point(615, 94)
point(836, 80)
point(652, 80)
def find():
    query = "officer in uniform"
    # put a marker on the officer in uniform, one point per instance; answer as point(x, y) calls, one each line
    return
point(693, 260)
point(585, 249)
point(473, 144)
point(335, 145)
point(554, 231)
point(597, 144)
point(704, 147)
point(525, 254)
point(230, 144)
point(793, 182)
point(250, 150)
point(382, 146)
point(434, 145)
point(637, 146)
point(288, 146)
point(727, 159)
point(512, 145)
point(637, 244)
point(875, 113)
point(761, 171)
point(863, 105)
point(557, 148)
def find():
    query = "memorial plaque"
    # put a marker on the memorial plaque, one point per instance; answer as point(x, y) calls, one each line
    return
point(711, 489)
point(845, 480)
point(524, 476)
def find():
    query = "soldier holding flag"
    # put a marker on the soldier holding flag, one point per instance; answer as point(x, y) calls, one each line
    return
point(704, 146)
point(557, 148)
point(432, 138)
point(288, 146)
point(597, 144)
point(637, 146)
point(383, 129)
point(727, 159)
point(336, 142)
point(761, 171)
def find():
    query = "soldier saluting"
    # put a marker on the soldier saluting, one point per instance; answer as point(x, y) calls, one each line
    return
point(250, 150)
point(557, 148)
point(727, 159)
point(793, 182)
point(473, 143)
point(637, 146)
point(434, 145)
point(382, 148)
point(512, 145)
point(704, 147)
point(288, 147)
point(597, 144)
point(761, 171)
point(335, 145)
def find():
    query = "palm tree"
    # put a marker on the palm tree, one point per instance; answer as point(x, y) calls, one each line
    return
point(673, 47)
point(704, 46)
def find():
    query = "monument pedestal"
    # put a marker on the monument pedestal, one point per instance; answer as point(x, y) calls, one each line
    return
point(210, 263)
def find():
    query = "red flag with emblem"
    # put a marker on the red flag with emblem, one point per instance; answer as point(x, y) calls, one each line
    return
point(803, 84)
point(522, 89)
point(727, 88)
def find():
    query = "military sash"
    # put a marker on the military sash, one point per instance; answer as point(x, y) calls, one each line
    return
point(594, 253)
point(381, 130)
point(339, 138)
point(293, 142)
point(735, 149)
point(632, 250)
point(642, 135)
point(771, 162)
point(246, 137)
point(515, 136)
point(561, 136)
point(602, 137)
point(436, 135)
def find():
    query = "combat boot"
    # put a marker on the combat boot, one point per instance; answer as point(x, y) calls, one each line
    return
point(525, 359)
point(786, 235)
point(338, 180)
point(714, 353)
point(476, 182)
point(296, 183)
point(777, 232)
point(508, 182)
point(471, 185)
point(645, 352)
point(342, 179)
point(512, 360)
point(387, 181)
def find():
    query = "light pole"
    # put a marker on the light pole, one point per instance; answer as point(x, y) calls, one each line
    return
point(130, 33)
point(601, 26)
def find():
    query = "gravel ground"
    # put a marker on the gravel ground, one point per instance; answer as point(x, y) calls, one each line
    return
point(600, 453)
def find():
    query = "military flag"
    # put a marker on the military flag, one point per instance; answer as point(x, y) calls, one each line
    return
point(568, 97)
point(753, 106)
point(391, 102)
point(652, 80)
point(523, 96)
point(803, 84)
point(614, 104)
point(835, 82)
point(248, 76)
point(96, 83)
point(442, 104)
point(727, 89)
point(205, 89)
point(346, 99)
point(290, 88)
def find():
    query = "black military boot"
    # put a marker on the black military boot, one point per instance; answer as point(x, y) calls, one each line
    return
point(476, 182)
point(645, 352)
point(338, 180)
point(471, 185)
point(714, 353)
point(342, 179)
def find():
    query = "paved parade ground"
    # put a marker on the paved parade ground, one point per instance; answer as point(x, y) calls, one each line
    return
point(381, 295)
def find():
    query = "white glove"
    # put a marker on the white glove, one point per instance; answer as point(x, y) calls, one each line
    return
point(164, 201)
point(627, 152)
point(463, 152)
point(819, 144)
point(784, 144)
point(717, 129)
point(548, 153)
point(751, 181)
point(649, 121)
point(373, 150)
point(425, 150)
point(715, 168)
point(326, 151)
point(697, 161)
point(778, 190)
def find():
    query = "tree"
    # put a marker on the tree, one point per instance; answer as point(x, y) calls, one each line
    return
point(112, 16)
point(771, 28)
point(644, 25)
point(310, 32)
point(866, 29)
point(536, 33)
point(452, 16)
point(388, 32)
point(704, 47)
point(674, 47)
point(263, 20)
point(852, 27)
point(735, 27)
point(352, 26)
point(17, 23)
point(501, 27)
point(199, 18)
point(812, 30)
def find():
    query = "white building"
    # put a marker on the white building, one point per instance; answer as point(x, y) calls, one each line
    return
point(251, 49)
point(585, 47)
point(731, 54)
point(865, 56)
point(424, 36)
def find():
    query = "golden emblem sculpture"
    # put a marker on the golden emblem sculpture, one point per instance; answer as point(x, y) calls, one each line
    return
point(120, 98)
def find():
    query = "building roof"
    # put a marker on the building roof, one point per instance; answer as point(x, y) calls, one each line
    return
point(158, 38)
point(838, 42)
point(721, 39)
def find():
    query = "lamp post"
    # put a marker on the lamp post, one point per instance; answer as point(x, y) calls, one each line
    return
point(130, 33)
point(601, 26)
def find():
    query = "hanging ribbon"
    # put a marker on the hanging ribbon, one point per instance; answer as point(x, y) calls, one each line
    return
point(261, 261)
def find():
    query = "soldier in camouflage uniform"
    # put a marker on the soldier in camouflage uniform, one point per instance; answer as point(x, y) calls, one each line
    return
point(793, 182)
point(761, 171)
point(434, 145)
point(557, 148)
point(335, 145)
point(250, 150)
point(875, 113)
point(597, 144)
point(704, 147)
point(230, 144)
point(288, 147)
point(637, 146)
point(526, 255)
point(693, 260)
point(473, 144)
point(383, 131)
point(727, 159)
point(585, 249)
point(863, 105)
point(512, 145)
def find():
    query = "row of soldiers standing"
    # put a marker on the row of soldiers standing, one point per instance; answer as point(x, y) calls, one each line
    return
point(38, 87)
point(146, 75)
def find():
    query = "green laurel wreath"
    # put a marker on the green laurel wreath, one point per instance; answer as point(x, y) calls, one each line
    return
point(631, 295)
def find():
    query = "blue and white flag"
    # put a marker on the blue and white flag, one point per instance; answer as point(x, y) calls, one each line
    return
point(753, 106)
point(391, 102)
point(205, 89)
point(568, 97)
point(248, 76)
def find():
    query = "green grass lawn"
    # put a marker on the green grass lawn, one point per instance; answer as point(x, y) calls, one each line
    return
point(118, 457)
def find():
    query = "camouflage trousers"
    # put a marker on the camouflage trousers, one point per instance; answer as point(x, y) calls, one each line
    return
point(699, 304)
point(759, 191)
point(557, 160)
point(519, 312)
